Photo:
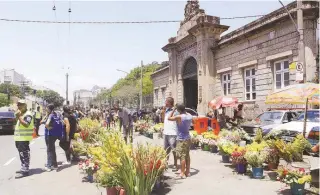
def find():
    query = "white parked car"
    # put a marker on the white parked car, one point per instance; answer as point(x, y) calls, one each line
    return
point(289, 130)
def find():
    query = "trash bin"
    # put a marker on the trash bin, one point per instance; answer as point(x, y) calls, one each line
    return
point(200, 124)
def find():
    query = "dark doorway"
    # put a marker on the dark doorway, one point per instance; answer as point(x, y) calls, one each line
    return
point(190, 83)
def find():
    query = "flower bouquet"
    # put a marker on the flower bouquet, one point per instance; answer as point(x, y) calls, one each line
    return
point(204, 144)
point(295, 178)
point(238, 159)
point(226, 148)
point(256, 160)
point(89, 168)
point(213, 146)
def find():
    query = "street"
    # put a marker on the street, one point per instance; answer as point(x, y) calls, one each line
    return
point(208, 176)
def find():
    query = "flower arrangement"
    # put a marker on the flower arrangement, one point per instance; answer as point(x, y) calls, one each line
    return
point(209, 135)
point(212, 143)
point(293, 151)
point(238, 155)
point(88, 166)
point(142, 126)
point(256, 147)
point(290, 176)
point(255, 158)
point(273, 154)
point(226, 147)
point(158, 127)
point(233, 136)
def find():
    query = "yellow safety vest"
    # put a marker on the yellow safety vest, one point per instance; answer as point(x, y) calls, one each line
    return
point(38, 115)
point(23, 133)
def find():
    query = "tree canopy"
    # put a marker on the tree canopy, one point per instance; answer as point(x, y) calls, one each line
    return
point(4, 100)
point(51, 97)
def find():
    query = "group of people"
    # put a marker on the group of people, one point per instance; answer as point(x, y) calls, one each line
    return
point(58, 126)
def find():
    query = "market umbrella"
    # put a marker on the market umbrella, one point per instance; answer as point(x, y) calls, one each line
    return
point(306, 93)
point(223, 101)
point(296, 94)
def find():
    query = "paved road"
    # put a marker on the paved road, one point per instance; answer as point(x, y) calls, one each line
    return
point(65, 182)
point(209, 175)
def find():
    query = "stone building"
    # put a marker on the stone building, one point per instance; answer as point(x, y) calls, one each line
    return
point(247, 63)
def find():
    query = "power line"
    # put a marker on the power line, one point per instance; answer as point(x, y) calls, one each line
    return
point(114, 22)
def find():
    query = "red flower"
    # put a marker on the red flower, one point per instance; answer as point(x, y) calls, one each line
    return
point(158, 165)
point(145, 172)
point(285, 172)
point(302, 170)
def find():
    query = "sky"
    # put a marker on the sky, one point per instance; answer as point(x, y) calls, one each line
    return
point(44, 53)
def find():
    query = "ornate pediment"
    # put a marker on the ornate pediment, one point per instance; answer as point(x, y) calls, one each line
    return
point(191, 9)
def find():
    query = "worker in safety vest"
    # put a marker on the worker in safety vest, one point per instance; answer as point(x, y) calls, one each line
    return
point(37, 120)
point(22, 137)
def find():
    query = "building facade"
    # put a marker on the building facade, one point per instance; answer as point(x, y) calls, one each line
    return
point(248, 63)
point(82, 97)
point(13, 77)
point(160, 80)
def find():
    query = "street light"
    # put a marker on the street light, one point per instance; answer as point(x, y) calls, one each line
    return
point(122, 71)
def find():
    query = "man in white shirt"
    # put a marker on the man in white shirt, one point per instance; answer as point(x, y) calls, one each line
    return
point(170, 131)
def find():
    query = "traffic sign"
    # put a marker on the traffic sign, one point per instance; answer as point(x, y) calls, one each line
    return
point(299, 67)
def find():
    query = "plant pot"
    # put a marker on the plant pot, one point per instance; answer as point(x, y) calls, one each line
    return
point(257, 172)
point(90, 178)
point(297, 189)
point(112, 191)
point(273, 166)
point(206, 147)
point(241, 168)
point(122, 192)
point(225, 158)
point(214, 149)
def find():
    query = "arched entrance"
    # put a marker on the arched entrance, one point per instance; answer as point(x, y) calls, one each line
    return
point(190, 83)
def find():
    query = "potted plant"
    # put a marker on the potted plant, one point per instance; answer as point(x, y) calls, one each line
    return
point(295, 178)
point(256, 160)
point(89, 168)
point(109, 181)
point(213, 146)
point(204, 144)
point(225, 148)
point(239, 160)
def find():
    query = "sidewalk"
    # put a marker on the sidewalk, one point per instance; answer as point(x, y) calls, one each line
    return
point(210, 176)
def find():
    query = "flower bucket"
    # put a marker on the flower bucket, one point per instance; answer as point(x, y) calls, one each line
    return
point(273, 166)
point(257, 172)
point(206, 147)
point(214, 149)
point(111, 191)
point(241, 168)
point(90, 178)
point(225, 158)
point(297, 189)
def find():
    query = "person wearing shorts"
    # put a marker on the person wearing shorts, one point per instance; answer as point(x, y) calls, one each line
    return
point(183, 121)
point(170, 132)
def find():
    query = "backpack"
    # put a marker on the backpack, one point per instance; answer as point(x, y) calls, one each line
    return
point(56, 124)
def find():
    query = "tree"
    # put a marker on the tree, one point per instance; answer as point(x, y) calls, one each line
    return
point(52, 97)
point(14, 90)
point(4, 100)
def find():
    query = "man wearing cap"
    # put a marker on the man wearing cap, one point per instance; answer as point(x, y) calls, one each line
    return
point(22, 136)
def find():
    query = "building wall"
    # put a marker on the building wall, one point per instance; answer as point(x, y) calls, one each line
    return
point(279, 41)
point(160, 85)
point(11, 76)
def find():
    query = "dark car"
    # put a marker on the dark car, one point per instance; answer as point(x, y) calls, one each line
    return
point(7, 120)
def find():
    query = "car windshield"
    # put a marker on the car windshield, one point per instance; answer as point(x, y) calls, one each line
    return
point(6, 115)
point(312, 116)
point(271, 117)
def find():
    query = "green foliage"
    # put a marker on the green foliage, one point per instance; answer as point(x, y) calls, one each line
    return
point(4, 100)
point(51, 97)
point(258, 138)
point(14, 90)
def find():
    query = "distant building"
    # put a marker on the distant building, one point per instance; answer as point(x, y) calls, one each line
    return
point(13, 77)
point(82, 97)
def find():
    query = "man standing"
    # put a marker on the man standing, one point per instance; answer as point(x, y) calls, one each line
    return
point(22, 136)
point(170, 131)
point(126, 122)
point(37, 120)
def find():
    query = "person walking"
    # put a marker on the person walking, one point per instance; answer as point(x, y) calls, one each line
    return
point(170, 132)
point(54, 131)
point(126, 122)
point(183, 121)
point(38, 118)
point(70, 129)
point(22, 137)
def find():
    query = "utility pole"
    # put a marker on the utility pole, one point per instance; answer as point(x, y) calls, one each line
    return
point(141, 87)
point(67, 88)
point(301, 55)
